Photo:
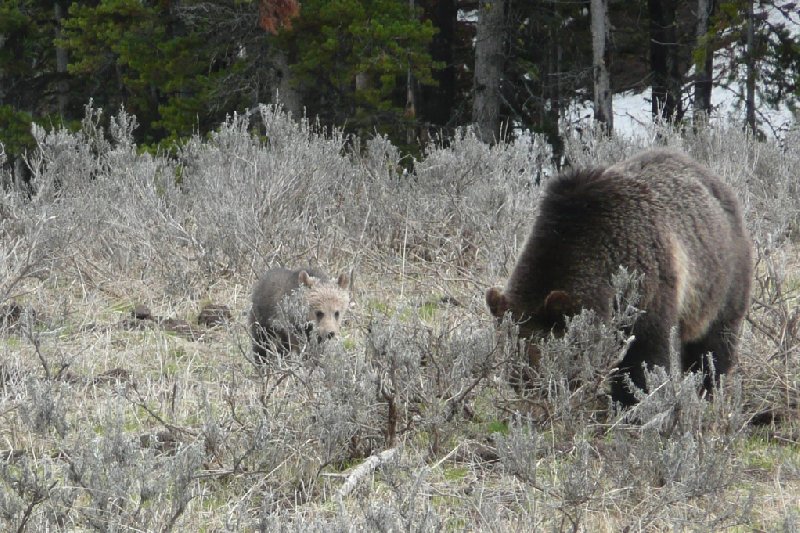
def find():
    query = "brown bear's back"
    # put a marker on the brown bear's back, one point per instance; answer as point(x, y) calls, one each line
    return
point(658, 213)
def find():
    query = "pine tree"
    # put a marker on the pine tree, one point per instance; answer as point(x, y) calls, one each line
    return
point(350, 60)
point(28, 76)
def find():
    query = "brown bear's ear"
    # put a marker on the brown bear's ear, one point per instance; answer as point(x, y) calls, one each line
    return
point(557, 304)
point(496, 301)
point(306, 280)
point(344, 281)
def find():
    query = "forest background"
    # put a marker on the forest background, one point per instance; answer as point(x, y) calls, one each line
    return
point(414, 70)
point(125, 405)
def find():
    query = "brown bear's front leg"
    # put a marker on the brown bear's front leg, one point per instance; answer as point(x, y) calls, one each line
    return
point(651, 346)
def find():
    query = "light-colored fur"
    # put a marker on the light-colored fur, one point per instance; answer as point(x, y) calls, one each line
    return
point(332, 301)
point(692, 313)
point(277, 296)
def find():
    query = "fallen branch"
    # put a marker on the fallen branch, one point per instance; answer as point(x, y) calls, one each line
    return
point(372, 462)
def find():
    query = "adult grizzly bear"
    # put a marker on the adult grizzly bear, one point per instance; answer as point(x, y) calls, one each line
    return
point(322, 304)
point(659, 213)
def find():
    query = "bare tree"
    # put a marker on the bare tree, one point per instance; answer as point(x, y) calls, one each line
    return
point(750, 58)
point(705, 63)
point(600, 61)
point(411, 105)
point(666, 84)
point(288, 95)
point(272, 15)
point(488, 68)
point(62, 59)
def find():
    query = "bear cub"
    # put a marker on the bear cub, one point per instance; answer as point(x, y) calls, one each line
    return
point(321, 302)
point(659, 213)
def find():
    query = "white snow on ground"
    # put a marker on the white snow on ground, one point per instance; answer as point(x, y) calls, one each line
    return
point(632, 111)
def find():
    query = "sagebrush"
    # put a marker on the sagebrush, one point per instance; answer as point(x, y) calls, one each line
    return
point(113, 422)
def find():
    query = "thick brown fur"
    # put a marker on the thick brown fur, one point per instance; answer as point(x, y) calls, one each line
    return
point(326, 302)
point(661, 214)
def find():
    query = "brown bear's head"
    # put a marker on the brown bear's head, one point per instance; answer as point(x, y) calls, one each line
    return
point(327, 303)
point(535, 319)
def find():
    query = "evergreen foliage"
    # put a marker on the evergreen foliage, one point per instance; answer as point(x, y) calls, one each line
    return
point(395, 67)
point(350, 59)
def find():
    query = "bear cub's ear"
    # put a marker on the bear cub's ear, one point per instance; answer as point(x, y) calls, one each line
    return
point(307, 280)
point(496, 301)
point(557, 304)
point(343, 282)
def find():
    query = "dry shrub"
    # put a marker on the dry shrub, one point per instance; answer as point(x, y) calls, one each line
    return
point(114, 428)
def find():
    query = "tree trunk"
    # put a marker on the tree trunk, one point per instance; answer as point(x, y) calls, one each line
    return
point(750, 83)
point(600, 62)
point(436, 103)
point(703, 81)
point(410, 113)
point(411, 106)
point(550, 113)
point(62, 59)
point(488, 69)
point(287, 92)
point(666, 84)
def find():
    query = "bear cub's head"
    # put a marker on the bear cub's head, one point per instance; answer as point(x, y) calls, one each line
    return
point(327, 303)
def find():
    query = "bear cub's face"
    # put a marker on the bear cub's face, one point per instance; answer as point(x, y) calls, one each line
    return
point(327, 304)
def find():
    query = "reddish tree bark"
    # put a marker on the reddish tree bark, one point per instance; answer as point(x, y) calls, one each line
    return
point(276, 14)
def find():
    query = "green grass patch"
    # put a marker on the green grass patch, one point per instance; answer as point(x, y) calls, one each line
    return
point(455, 474)
point(379, 307)
point(497, 426)
point(124, 306)
point(12, 342)
point(348, 344)
point(759, 451)
point(428, 311)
